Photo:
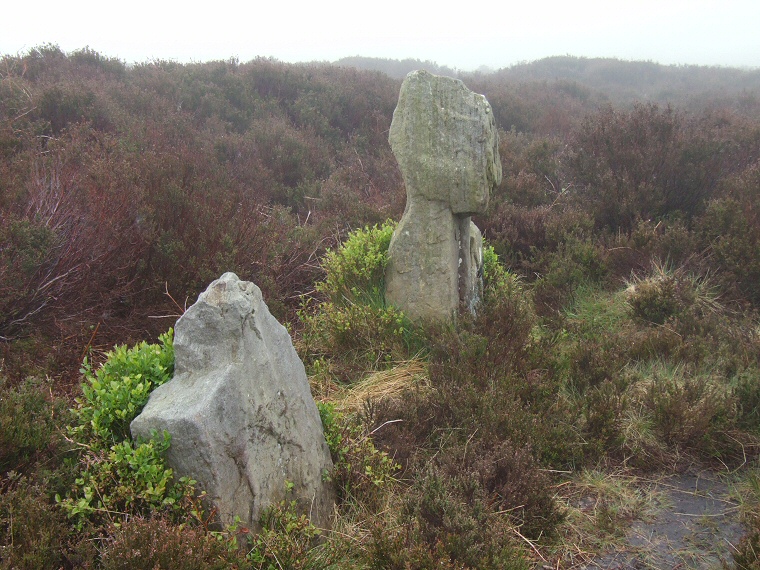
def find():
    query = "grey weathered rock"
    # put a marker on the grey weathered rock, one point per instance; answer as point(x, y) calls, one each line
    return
point(445, 141)
point(239, 409)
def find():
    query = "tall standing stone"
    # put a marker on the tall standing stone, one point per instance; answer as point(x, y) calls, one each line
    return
point(445, 141)
point(239, 409)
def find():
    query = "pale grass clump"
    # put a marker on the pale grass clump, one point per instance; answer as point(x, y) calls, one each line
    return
point(640, 442)
point(669, 292)
point(600, 506)
point(384, 384)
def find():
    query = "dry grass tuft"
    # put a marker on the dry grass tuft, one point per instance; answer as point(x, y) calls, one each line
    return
point(383, 385)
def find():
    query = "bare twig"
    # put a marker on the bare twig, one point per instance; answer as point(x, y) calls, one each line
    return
point(383, 425)
point(533, 546)
point(89, 343)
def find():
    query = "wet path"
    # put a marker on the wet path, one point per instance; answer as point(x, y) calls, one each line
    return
point(696, 526)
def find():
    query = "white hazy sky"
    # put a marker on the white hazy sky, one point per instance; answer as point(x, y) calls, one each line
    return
point(465, 35)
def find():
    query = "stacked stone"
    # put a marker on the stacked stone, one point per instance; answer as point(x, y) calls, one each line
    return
point(445, 141)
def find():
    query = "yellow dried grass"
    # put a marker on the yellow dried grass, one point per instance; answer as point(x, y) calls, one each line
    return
point(391, 383)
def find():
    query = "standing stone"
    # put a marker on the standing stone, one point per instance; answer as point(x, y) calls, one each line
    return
point(239, 409)
point(445, 141)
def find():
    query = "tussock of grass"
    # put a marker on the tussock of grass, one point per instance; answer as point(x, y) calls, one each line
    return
point(383, 384)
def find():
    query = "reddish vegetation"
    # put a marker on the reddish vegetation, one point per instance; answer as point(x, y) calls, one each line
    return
point(119, 184)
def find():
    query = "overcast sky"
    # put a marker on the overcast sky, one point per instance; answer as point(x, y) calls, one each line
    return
point(464, 35)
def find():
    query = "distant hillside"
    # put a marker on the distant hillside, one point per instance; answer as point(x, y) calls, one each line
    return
point(626, 81)
point(608, 79)
point(395, 68)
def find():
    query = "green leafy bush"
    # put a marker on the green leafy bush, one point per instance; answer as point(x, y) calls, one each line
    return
point(115, 393)
point(127, 479)
point(116, 476)
point(356, 270)
point(353, 326)
point(285, 540)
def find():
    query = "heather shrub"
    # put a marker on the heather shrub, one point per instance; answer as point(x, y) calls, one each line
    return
point(150, 543)
point(669, 294)
point(730, 229)
point(644, 163)
point(33, 533)
point(510, 475)
point(576, 262)
point(27, 248)
point(72, 217)
point(488, 424)
point(746, 393)
point(29, 423)
point(688, 410)
point(446, 523)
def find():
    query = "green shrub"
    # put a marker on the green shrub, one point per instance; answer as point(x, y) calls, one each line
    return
point(116, 476)
point(284, 541)
point(358, 337)
point(356, 270)
point(354, 327)
point(362, 474)
point(115, 393)
point(127, 479)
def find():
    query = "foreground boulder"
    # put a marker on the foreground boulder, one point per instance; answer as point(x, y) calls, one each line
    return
point(239, 409)
point(445, 141)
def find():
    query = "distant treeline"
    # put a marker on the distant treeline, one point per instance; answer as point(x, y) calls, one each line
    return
point(398, 69)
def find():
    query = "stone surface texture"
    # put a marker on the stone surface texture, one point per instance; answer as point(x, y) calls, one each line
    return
point(445, 141)
point(239, 409)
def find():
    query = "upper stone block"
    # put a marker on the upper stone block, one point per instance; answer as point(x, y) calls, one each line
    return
point(445, 140)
